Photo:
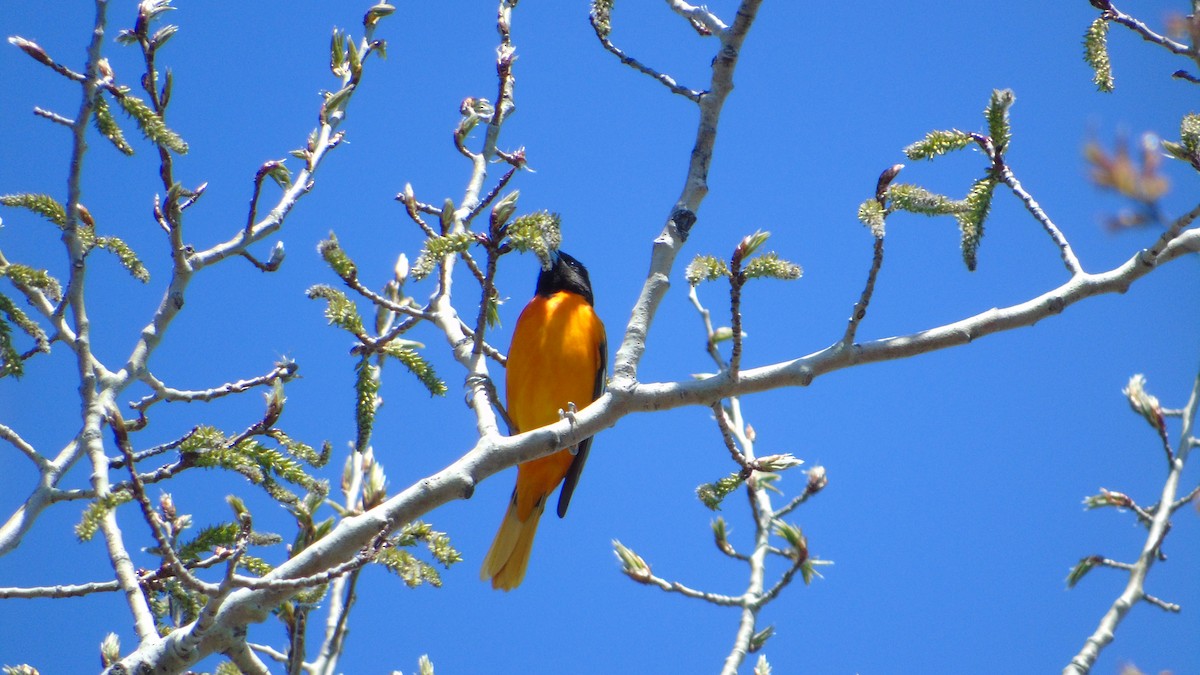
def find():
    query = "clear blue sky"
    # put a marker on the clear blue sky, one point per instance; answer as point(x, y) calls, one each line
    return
point(953, 511)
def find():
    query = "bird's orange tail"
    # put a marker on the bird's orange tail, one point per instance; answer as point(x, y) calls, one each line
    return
point(509, 555)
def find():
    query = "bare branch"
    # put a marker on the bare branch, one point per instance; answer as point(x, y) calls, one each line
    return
point(709, 333)
point(1135, 591)
point(662, 78)
point(284, 371)
point(1113, 14)
point(150, 515)
point(1185, 500)
point(816, 482)
point(676, 587)
point(683, 214)
point(269, 651)
point(1068, 254)
point(1162, 604)
point(860, 307)
point(38, 54)
point(53, 117)
point(78, 590)
point(782, 583)
point(60, 591)
point(119, 462)
point(7, 434)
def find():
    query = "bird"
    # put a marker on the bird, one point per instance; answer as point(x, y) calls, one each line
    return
point(558, 358)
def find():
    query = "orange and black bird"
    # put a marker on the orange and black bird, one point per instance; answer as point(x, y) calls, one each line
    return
point(558, 357)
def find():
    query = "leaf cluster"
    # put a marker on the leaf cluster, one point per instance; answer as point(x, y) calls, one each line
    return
point(1095, 53)
point(712, 494)
point(1187, 149)
point(540, 232)
point(411, 569)
point(260, 464)
point(50, 209)
point(436, 248)
point(343, 313)
point(971, 211)
point(97, 510)
point(748, 266)
point(11, 361)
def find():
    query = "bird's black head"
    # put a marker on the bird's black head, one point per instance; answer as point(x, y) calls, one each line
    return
point(565, 274)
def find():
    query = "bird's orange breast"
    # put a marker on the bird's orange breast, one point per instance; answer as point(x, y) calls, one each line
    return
point(553, 361)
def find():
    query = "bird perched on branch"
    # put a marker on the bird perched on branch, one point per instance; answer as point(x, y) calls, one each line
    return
point(558, 357)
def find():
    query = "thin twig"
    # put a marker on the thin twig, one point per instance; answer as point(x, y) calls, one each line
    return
point(803, 497)
point(119, 462)
point(414, 209)
point(783, 582)
point(400, 308)
point(1162, 604)
point(676, 587)
point(706, 317)
point(473, 266)
point(724, 424)
point(860, 307)
point(158, 475)
point(284, 372)
point(79, 590)
point(490, 351)
point(60, 591)
point(1177, 226)
point(150, 515)
point(662, 78)
point(736, 280)
point(8, 434)
point(290, 585)
point(1115, 564)
point(1064, 247)
point(268, 651)
point(38, 54)
point(53, 117)
point(491, 195)
point(487, 292)
point(1183, 501)
point(1113, 14)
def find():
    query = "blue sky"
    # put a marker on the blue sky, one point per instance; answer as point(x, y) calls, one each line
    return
point(953, 511)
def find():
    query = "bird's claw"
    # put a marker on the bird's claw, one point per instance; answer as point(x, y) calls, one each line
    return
point(569, 413)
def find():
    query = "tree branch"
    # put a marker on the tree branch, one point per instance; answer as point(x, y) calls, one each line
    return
point(1035, 209)
point(8, 434)
point(662, 78)
point(1135, 589)
point(283, 371)
point(1113, 14)
point(683, 214)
